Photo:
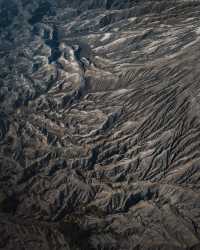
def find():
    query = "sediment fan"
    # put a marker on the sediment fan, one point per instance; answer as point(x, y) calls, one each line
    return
point(99, 125)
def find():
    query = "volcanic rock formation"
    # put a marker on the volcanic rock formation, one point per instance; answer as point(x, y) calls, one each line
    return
point(99, 124)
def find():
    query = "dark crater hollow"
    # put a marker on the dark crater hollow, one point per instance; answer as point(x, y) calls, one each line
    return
point(8, 11)
point(54, 45)
point(44, 9)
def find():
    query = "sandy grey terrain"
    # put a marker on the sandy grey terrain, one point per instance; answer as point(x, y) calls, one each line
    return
point(99, 125)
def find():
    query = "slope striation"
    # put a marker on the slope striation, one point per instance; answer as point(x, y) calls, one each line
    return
point(99, 124)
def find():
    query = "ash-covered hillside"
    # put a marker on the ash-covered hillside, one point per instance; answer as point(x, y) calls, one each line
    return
point(99, 125)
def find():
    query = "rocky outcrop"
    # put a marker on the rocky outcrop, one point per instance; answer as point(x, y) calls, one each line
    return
point(99, 124)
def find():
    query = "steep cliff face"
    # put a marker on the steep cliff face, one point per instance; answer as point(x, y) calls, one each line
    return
point(99, 124)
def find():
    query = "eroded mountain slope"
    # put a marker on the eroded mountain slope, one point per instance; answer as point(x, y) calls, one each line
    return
point(99, 124)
